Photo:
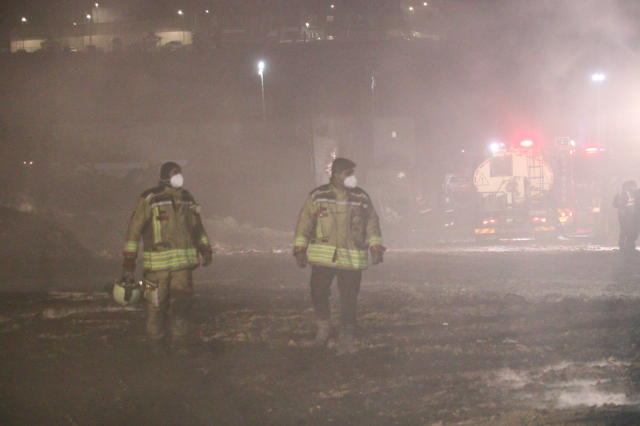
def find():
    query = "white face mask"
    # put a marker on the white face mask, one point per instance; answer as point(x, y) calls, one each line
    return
point(351, 182)
point(177, 181)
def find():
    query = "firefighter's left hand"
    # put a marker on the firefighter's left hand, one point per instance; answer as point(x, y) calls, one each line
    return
point(207, 255)
point(377, 252)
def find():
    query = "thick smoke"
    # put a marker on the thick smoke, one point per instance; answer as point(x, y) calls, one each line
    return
point(532, 61)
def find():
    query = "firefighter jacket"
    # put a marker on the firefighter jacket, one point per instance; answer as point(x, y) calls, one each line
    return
point(168, 219)
point(625, 203)
point(337, 226)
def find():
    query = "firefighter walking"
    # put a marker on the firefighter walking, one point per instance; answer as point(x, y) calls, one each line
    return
point(337, 229)
point(628, 216)
point(168, 220)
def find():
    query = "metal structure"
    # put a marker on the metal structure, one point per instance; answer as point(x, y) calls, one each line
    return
point(514, 185)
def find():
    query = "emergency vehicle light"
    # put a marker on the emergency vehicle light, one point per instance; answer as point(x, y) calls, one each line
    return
point(593, 150)
point(526, 143)
point(539, 219)
point(489, 221)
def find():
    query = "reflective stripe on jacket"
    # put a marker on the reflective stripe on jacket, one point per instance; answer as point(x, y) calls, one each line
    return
point(338, 226)
point(168, 220)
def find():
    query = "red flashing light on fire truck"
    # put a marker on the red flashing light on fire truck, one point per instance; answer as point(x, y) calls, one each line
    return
point(593, 150)
point(526, 143)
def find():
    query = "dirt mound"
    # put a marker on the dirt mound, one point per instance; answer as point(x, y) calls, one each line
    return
point(35, 250)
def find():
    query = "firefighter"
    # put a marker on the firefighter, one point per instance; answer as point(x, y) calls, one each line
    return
point(337, 229)
point(628, 216)
point(168, 220)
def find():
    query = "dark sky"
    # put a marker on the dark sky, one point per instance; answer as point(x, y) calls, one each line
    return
point(533, 60)
point(517, 64)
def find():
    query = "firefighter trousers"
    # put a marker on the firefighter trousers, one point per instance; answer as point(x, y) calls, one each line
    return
point(629, 231)
point(348, 286)
point(171, 299)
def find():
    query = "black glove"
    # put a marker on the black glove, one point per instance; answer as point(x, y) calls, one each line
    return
point(207, 255)
point(129, 264)
point(377, 254)
point(301, 256)
point(128, 275)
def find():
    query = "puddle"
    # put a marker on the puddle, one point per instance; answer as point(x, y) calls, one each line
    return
point(568, 384)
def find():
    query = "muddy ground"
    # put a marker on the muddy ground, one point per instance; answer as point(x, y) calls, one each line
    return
point(501, 335)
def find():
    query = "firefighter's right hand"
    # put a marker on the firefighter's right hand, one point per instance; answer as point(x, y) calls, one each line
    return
point(377, 253)
point(207, 255)
point(129, 264)
point(128, 275)
point(301, 257)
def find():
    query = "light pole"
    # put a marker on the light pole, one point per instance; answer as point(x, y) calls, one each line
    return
point(184, 37)
point(97, 17)
point(261, 73)
point(24, 20)
point(89, 24)
point(598, 79)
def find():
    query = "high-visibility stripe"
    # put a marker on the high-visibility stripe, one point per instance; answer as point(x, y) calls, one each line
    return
point(486, 231)
point(358, 259)
point(169, 259)
point(545, 228)
point(339, 203)
point(301, 242)
point(320, 253)
point(204, 240)
point(345, 258)
point(131, 246)
point(157, 226)
point(375, 241)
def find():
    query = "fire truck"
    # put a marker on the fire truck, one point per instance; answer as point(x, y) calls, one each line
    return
point(514, 185)
point(582, 176)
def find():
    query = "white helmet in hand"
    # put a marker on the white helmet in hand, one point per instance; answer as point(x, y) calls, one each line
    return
point(127, 292)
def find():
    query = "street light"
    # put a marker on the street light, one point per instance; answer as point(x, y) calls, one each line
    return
point(261, 73)
point(89, 24)
point(97, 18)
point(184, 37)
point(599, 78)
point(23, 21)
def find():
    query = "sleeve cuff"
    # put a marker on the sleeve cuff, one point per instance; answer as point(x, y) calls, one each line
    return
point(375, 241)
point(301, 242)
point(130, 255)
point(131, 247)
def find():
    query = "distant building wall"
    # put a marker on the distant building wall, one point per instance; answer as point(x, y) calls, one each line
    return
point(100, 35)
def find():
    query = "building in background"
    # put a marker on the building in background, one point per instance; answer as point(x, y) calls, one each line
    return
point(124, 27)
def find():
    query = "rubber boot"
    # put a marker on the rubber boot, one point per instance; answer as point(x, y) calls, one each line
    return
point(347, 341)
point(323, 334)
